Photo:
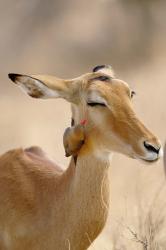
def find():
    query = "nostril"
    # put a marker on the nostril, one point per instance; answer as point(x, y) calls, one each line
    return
point(151, 148)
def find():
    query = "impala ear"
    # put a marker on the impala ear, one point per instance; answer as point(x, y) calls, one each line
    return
point(105, 69)
point(44, 86)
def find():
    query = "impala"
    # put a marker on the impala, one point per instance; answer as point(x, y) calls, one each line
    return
point(43, 207)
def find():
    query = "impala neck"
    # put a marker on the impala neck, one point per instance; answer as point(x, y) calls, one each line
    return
point(89, 193)
point(91, 181)
point(90, 176)
point(90, 169)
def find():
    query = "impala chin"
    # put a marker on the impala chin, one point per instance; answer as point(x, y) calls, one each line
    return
point(153, 157)
point(150, 157)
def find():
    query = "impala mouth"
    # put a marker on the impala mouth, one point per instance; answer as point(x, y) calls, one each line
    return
point(152, 158)
point(149, 160)
point(152, 152)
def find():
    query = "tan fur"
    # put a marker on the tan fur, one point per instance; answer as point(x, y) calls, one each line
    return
point(43, 207)
point(73, 139)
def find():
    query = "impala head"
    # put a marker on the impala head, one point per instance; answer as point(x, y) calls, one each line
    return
point(106, 103)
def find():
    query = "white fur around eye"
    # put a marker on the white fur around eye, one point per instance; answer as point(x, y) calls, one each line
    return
point(95, 97)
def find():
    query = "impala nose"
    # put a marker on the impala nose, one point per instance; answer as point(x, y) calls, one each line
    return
point(151, 148)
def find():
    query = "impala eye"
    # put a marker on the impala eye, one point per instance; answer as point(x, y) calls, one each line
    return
point(92, 104)
point(103, 78)
point(132, 94)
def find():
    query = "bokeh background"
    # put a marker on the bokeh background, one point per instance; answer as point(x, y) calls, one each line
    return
point(67, 39)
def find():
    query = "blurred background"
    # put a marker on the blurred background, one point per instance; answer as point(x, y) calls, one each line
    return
point(67, 39)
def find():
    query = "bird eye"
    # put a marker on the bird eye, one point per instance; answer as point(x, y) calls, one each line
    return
point(132, 94)
point(92, 104)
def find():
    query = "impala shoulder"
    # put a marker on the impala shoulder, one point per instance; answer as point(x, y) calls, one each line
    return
point(35, 150)
point(12, 154)
point(40, 158)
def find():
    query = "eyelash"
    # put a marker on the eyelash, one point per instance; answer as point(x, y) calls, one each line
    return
point(92, 104)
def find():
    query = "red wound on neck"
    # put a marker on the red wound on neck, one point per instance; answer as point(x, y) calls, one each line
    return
point(83, 122)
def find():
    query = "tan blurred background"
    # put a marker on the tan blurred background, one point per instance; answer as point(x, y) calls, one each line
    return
point(69, 38)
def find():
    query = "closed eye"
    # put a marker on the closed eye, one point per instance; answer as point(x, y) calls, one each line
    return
point(92, 104)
